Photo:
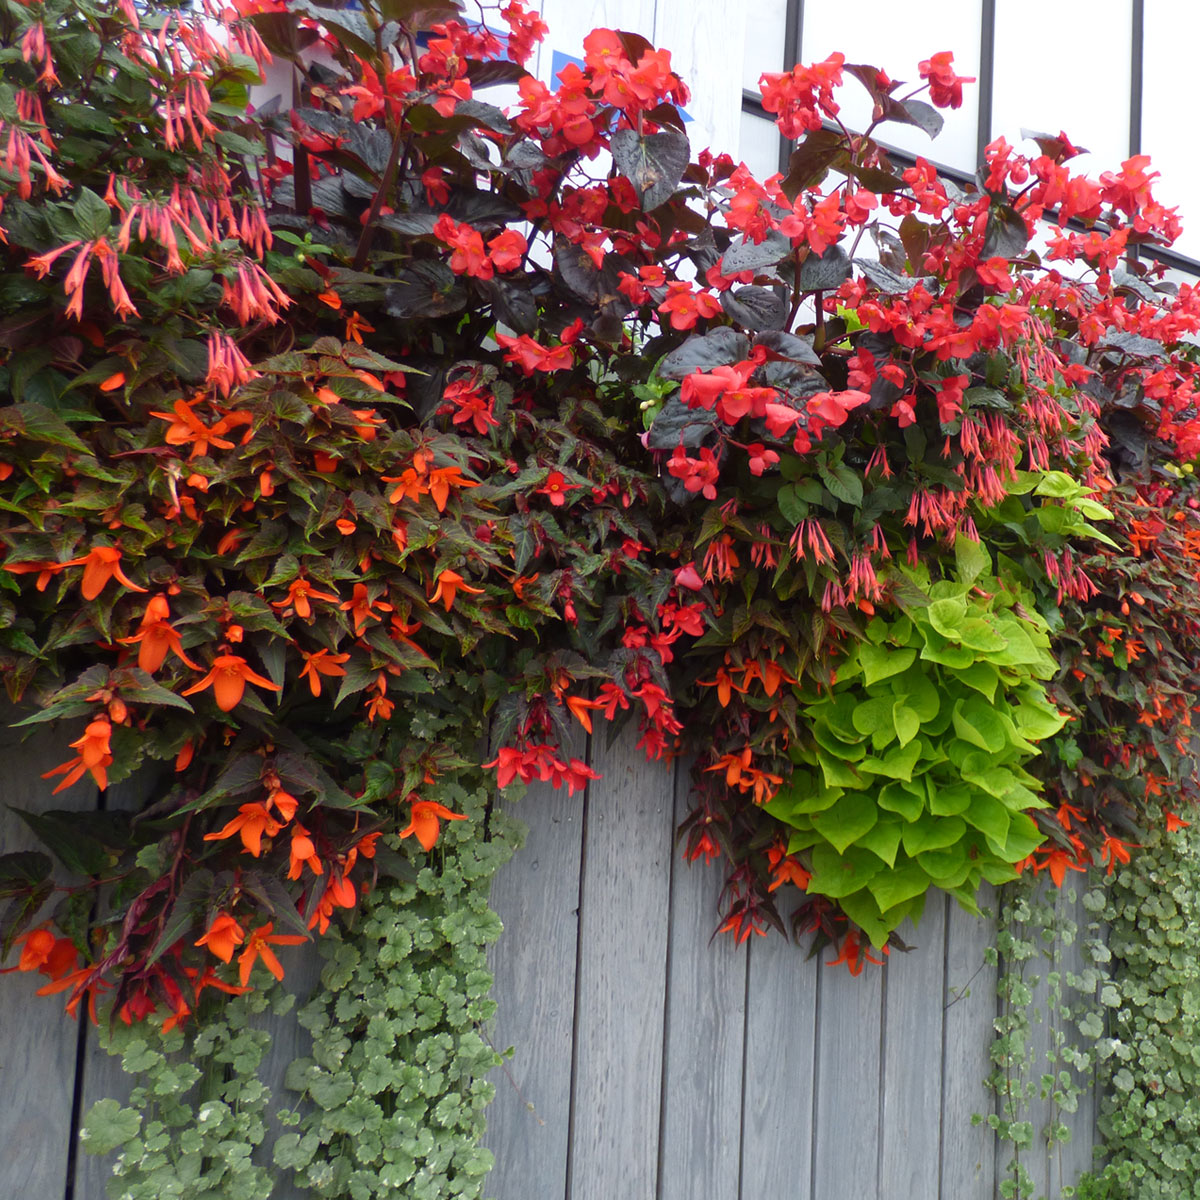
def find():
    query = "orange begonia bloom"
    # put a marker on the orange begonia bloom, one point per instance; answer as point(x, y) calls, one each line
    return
point(855, 954)
point(423, 822)
point(785, 869)
point(45, 570)
point(321, 662)
point(303, 853)
point(228, 678)
point(252, 822)
point(363, 609)
point(449, 584)
point(1174, 821)
point(223, 935)
point(185, 427)
point(339, 893)
point(258, 945)
point(100, 565)
point(95, 756)
point(299, 592)
point(157, 637)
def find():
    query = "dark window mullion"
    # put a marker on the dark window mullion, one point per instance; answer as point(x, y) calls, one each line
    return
point(987, 76)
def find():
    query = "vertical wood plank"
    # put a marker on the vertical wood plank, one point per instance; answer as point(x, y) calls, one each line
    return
point(621, 994)
point(1038, 1109)
point(536, 896)
point(706, 1016)
point(289, 1041)
point(912, 1076)
point(102, 1074)
point(779, 1076)
point(849, 1054)
point(968, 1152)
point(39, 1045)
point(1068, 1162)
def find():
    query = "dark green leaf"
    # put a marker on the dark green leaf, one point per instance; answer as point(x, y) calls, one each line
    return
point(653, 163)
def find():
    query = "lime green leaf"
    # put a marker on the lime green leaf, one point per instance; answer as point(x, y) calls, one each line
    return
point(906, 722)
point(932, 833)
point(846, 821)
point(894, 887)
point(903, 799)
point(836, 875)
point(881, 662)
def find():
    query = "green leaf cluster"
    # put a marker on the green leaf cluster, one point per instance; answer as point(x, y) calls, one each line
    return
point(914, 772)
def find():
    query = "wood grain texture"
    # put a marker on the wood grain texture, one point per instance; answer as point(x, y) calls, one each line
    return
point(102, 1074)
point(289, 1041)
point(38, 1043)
point(846, 1132)
point(968, 1154)
point(706, 1018)
point(1069, 1161)
point(536, 895)
point(621, 992)
point(1038, 1111)
point(912, 1069)
point(777, 1097)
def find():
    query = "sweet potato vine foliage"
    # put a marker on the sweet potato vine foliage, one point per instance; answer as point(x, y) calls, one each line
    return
point(399, 400)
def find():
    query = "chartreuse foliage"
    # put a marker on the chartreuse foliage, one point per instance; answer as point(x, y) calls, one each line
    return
point(389, 1099)
point(914, 776)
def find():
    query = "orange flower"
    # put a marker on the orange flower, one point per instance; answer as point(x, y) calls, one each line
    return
point(157, 637)
point(113, 382)
point(258, 946)
point(1113, 852)
point(785, 869)
point(303, 853)
point(252, 823)
point(100, 565)
point(1175, 822)
point(581, 706)
point(449, 584)
point(299, 592)
point(339, 893)
point(223, 935)
point(95, 756)
point(321, 662)
point(442, 480)
point(855, 954)
point(363, 609)
point(185, 427)
point(45, 570)
point(423, 821)
point(228, 678)
point(356, 326)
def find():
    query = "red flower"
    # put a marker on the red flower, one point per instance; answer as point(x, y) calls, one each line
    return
point(945, 88)
point(556, 487)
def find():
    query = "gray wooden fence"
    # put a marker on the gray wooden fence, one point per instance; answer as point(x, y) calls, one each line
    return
point(649, 1064)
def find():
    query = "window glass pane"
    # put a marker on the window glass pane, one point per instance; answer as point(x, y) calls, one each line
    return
point(759, 146)
point(1168, 111)
point(1040, 84)
point(895, 38)
point(765, 21)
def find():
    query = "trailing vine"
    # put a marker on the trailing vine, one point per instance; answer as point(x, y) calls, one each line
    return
point(1042, 983)
point(1149, 1063)
point(390, 1098)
